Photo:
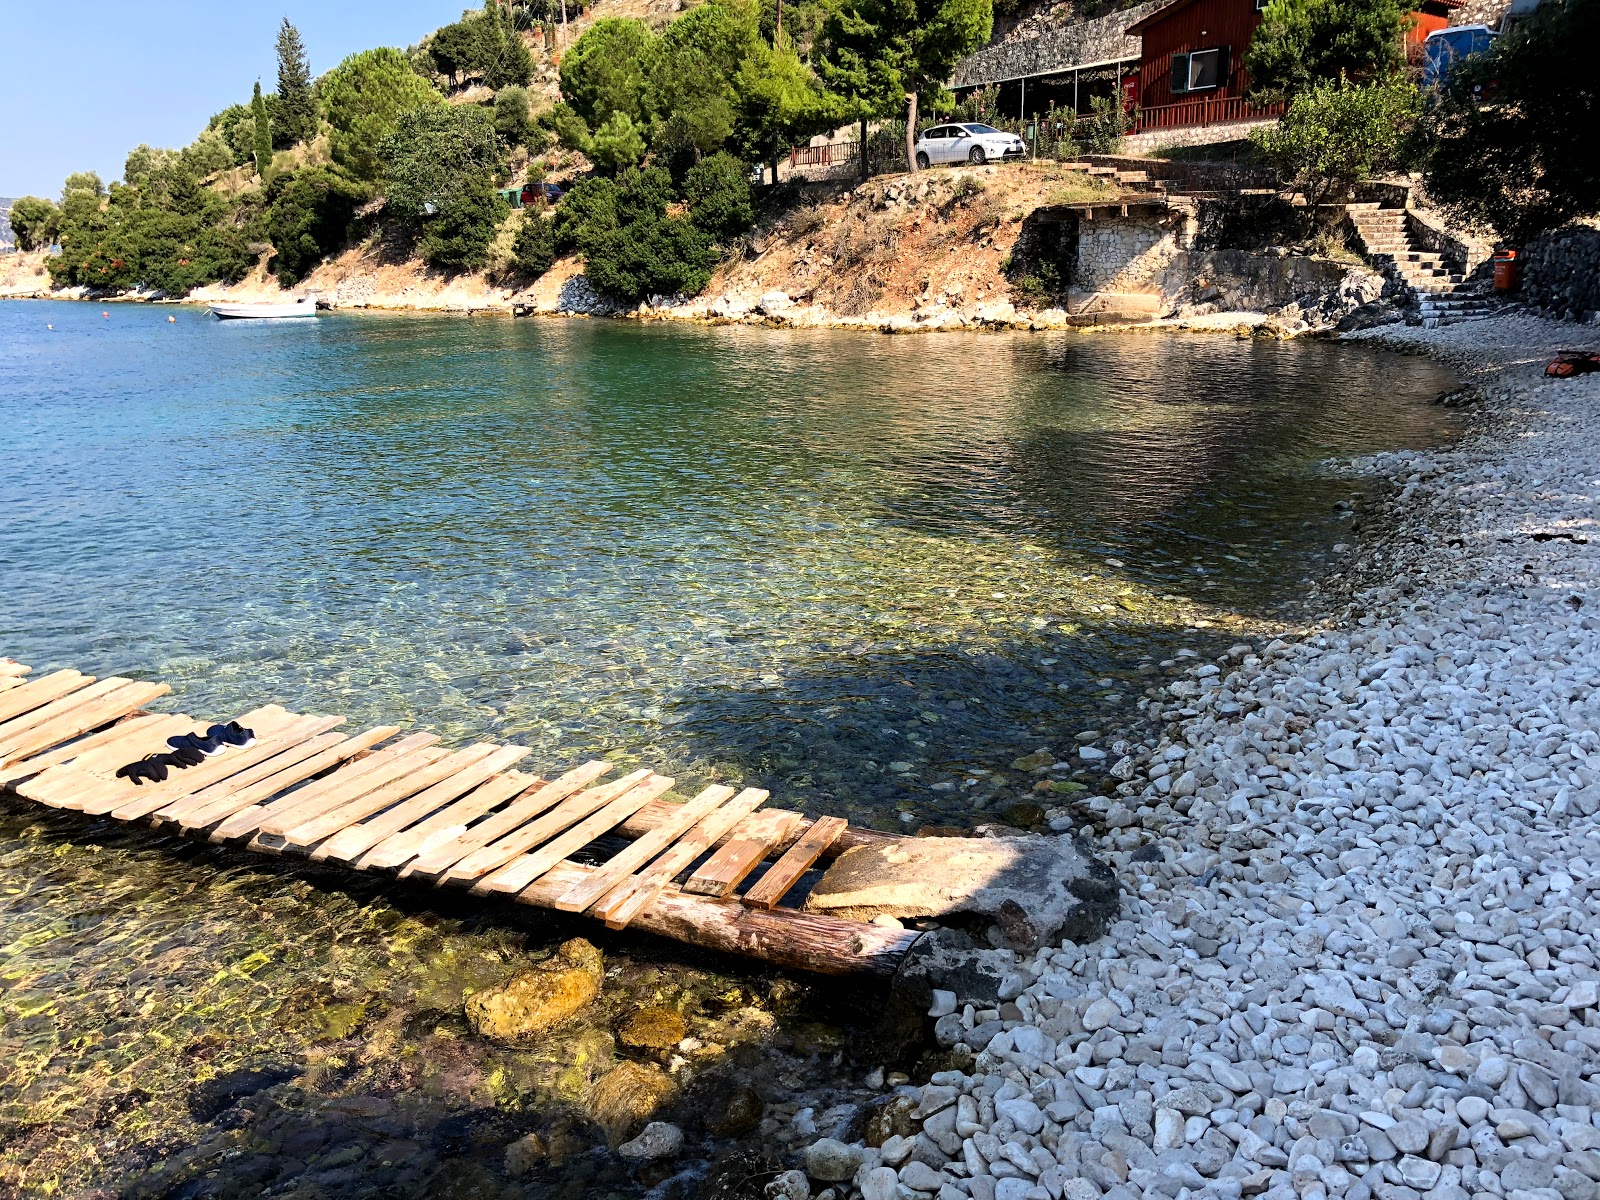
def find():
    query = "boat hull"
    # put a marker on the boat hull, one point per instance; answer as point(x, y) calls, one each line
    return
point(258, 312)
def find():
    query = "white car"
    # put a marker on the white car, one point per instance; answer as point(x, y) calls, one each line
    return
point(971, 142)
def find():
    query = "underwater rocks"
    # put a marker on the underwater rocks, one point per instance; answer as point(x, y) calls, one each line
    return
point(538, 999)
point(1036, 890)
point(653, 1028)
point(627, 1096)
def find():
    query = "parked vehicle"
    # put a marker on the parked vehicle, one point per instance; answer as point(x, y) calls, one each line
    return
point(1444, 48)
point(971, 142)
point(528, 193)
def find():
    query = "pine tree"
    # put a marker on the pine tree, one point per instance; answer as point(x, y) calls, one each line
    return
point(263, 132)
point(297, 106)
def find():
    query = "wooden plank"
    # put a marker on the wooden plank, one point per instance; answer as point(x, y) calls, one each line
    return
point(796, 861)
point(72, 785)
point(17, 726)
point(114, 743)
point(630, 897)
point(232, 796)
point(414, 786)
point(651, 815)
point(349, 844)
point(42, 690)
point(728, 866)
point(82, 719)
point(10, 668)
point(637, 853)
point(449, 822)
point(371, 772)
point(447, 853)
point(230, 762)
point(566, 814)
point(523, 871)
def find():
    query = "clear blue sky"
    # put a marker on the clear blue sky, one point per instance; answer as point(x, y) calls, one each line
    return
point(83, 83)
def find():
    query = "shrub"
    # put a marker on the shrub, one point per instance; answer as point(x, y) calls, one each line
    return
point(563, 121)
point(651, 256)
point(720, 201)
point(586, 213)
point(1102, 132)
point(511, 115)
point(35, 221)
point(458, 236)
point(535, 247)
point(1336, 134)
point(618, 144)
point(436, 152)
point(309, 216)
point(207, 154)
point(1527, 158)
point(643, 192)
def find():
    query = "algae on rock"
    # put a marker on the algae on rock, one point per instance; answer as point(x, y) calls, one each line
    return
point(540, 998)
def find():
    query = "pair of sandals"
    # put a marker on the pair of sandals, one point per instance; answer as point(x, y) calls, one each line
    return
point(188, 750)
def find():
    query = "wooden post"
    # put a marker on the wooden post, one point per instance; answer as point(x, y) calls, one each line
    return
point(862, 148)
point(911, 131)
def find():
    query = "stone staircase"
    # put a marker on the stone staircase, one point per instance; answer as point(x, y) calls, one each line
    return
point(1442, 296)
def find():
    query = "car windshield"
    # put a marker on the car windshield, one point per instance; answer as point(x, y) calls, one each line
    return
point(981, 129)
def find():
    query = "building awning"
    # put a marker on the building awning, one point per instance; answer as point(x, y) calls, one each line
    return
point(1082, 46)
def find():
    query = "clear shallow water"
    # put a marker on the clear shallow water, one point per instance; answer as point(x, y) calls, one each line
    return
point(794, 559)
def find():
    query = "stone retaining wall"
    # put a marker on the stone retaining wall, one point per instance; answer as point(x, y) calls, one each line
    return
point(1561, 273)
point(1129, 254)
point(1195, 135)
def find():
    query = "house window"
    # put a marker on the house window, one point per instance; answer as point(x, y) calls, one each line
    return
point(1201, 71)
point(1261, 5)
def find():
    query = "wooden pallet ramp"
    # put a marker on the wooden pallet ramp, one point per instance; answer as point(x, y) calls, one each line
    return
point(621, 849)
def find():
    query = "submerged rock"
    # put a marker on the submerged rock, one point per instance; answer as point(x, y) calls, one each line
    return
point(524, 1154)
point(656, 1140)
point(653, 1028)
point(627, 1096)
point(1065, 892)
point(538, 999)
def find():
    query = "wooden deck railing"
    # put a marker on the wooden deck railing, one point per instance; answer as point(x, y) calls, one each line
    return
point(1217, 111)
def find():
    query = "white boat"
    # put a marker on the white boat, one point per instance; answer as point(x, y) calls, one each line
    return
point(306, 306)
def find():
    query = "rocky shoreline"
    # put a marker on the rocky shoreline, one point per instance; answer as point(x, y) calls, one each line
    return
point(1360, 870)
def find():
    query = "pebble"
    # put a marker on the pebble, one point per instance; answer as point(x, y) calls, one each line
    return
point(790, 1185)
point(832, 1161)
point(658, 1139)
point(1362, 965)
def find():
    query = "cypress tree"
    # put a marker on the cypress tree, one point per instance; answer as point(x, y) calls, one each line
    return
point(263, 132)
point(297, 107)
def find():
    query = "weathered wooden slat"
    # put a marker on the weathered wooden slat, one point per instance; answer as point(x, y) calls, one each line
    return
point(569, 812)
point(370, 773)
point(651, 815)
point(418, 785)
point(111, 706)
point(349, 844)
point(523, 871)
point(73, 785)
point(276, 776)
point(796, 861)
point(726, 868)
point(41, 691)
point(10, 668)
point(109, 747)
point(229, 762)
point(449, 822)
point(19, 725)
point(630, 897)
point(637, 853)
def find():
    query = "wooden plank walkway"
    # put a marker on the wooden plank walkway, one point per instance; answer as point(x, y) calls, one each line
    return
point(409, 807)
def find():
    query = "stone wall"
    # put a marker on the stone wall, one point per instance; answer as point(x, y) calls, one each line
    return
point(1195, 135)
point(1322, 290)
point(1130, 254)
point(1082, 43)
point(1561, 273)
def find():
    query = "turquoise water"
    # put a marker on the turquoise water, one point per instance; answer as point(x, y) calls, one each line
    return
point(848, 567)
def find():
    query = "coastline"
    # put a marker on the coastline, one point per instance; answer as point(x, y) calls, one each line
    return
point(1354, 955)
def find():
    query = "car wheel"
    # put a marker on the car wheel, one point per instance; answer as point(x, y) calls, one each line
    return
point(922, 161)
point(977, 158)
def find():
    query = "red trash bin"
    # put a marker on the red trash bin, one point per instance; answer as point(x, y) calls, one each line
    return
point(1506, 267)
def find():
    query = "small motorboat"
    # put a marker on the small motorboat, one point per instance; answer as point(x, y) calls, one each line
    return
point(306, 306)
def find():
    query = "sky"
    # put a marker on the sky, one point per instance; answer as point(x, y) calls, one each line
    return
point(83, 84)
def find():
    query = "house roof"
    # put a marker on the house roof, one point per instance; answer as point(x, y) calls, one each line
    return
point(1079, 46)
point(1161, 14)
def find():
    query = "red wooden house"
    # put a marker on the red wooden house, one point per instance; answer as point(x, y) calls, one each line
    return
point(1191, 68)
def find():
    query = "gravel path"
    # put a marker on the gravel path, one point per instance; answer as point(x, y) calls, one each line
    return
point(1361, 881)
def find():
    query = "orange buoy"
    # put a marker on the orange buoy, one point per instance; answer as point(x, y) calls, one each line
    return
point(106, 315)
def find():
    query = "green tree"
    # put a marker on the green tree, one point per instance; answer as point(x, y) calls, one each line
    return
point(1301, 43)
point(297, 103)
point(778, 101)
point(142, 160)
point(617, 144)
point(882, 55)
point(1515, 139)
point(236, 128)
point(1336, 134)
point(502, 58)
point(207, 154)
point(261, 131)
point(586, 213)
point(364, 98)
point(35, 221)
point(718, 192)
point(692, 78)
point(438, 152)
point(454, 50)
point(511, 115)
point(458, 236)
point(563, 121)
point(608, 70)
point(309, 216)
point(535, 247)
point(81, 195)
point(651, 256)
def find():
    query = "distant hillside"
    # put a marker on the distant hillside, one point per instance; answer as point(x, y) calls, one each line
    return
point(6, 238)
